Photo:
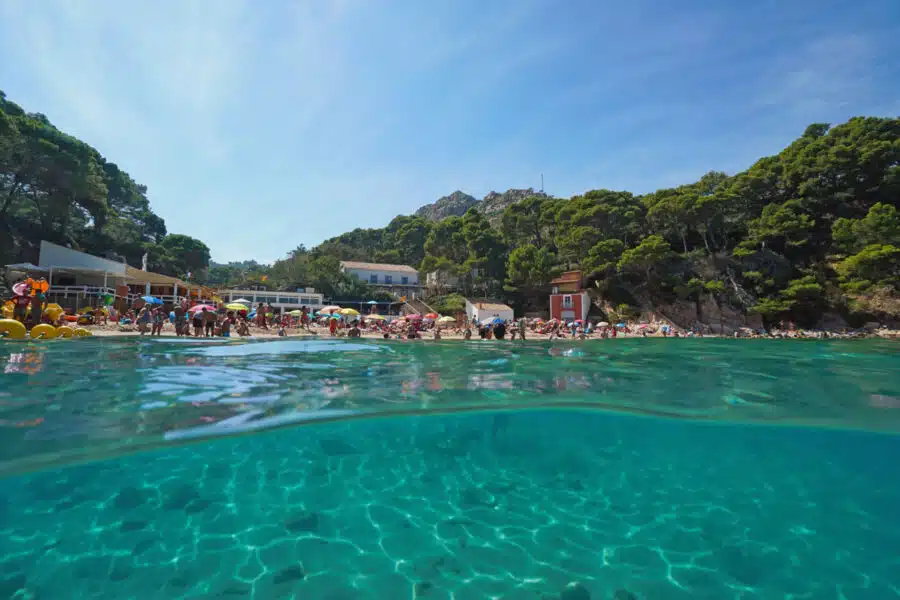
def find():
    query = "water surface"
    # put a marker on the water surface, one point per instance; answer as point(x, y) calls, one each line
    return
point(617, 469)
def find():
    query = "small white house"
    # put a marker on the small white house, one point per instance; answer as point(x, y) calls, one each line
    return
point(479, 311)
point(395, 278)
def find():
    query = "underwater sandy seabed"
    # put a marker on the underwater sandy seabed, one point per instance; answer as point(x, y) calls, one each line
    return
point(553, 505)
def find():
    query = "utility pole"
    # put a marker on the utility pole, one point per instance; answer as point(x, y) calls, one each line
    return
point(542, 183)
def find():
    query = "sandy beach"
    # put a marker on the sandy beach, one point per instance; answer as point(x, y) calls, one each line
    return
point(317, 332)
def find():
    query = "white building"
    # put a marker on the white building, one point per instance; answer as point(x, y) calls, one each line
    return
point(479, 311)
point(283, 301)
point(400, 279)
point(77, 278)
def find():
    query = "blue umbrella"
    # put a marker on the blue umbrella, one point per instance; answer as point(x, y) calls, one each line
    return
point(493, 321)
point(252, 315)
point(620, 325)
point(371, 302)
point(151, 300)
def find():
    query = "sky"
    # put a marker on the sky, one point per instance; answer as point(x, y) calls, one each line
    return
point(259, 126)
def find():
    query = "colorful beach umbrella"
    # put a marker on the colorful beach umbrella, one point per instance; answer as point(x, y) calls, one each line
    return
point(447, 320)
point(199, 307)
point(602, 324)
point(329, 309)
point(235, 306)
point(432, 316)
point(414, 317)
point(376, 317)
point(350, 312)
point(296, 313)
point(151, 300)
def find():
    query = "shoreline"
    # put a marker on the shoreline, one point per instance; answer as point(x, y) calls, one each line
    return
point(322, 333)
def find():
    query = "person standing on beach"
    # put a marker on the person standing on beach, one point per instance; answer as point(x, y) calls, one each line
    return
point(522, 325)
point(180, 321)
point(261, 316)
point(143, 318)
point(209, 322)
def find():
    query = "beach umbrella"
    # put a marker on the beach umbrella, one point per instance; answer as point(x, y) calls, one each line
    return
point(432, 316)
point(335, 317)
point(20, 289)
point(329, 309)
point(200, 307)
point(414, 317)
point(151, 300)
point(376, 318)
point(371, 302)
point(243, 301)
point(602, 324)
point(350, 312)
point(296, 313)
point(236, 306)
point(447, 320)
point(492, 321)
point(620, 325)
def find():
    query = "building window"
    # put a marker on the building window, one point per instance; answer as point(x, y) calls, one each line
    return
point(373, 278)
point(388, 279)
point(567, 301)
point(404, 280)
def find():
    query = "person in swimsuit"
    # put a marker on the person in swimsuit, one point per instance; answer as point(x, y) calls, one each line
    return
point(143, 319)
point(158, 320)
point(209, 321)
point(20, 307)
point(197, 322)
point(180, 320)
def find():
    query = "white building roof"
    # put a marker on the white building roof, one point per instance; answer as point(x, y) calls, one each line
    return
point(365, 266)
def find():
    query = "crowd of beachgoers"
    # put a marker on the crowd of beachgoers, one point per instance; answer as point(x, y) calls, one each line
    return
point(150, 316)
point(207, 320)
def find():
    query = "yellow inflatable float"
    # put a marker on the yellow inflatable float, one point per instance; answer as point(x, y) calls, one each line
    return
point(43, 332)
point(82, 333)
point(10, 328)
point(64, 331)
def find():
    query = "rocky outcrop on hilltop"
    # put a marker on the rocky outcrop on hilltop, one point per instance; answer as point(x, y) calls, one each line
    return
point(493, 205)
point(454, 205)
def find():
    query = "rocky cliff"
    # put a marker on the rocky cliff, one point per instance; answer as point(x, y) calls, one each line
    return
point(491, 206)
point(454, 205)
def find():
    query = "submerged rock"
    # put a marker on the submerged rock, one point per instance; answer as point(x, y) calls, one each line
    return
point(575, 591)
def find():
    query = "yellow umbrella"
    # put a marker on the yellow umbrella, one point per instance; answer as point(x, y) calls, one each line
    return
point(296, 313)
point(349, 312)
point(375, 317)
point(236, 306)
point(447, 320)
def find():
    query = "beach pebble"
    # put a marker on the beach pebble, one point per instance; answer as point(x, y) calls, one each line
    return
point(575, 591)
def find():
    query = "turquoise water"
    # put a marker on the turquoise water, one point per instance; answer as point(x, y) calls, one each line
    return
point(617, 469)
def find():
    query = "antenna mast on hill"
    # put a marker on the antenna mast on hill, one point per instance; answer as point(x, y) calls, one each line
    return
point(542, 183)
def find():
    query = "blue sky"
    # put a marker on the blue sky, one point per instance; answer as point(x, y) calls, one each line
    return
point(258, 126)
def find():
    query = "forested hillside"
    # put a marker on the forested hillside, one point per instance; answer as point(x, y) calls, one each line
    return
point(812, 229)
point(55, 187)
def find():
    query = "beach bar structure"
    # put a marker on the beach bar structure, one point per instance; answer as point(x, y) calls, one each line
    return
point(79, 279)
point(280, 301)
